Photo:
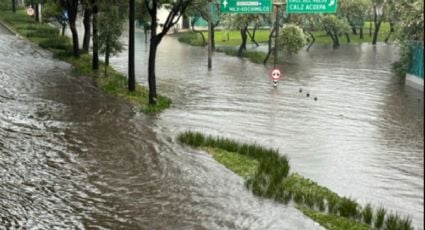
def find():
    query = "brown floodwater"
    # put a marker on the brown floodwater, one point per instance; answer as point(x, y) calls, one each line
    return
point(73, 157)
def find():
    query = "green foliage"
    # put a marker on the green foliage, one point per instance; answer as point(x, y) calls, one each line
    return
point(115, 83)
point(242, 165)
point(60, 43)
point(394, 222)
point(380, 216)
point(291, 38)
point(5, 5)
point(333, 222)
point(43, 32)
point(367, 214)
point(355, 11)
point(191, 38)
point(266, 173)
point(254, 56)
point(110, 24)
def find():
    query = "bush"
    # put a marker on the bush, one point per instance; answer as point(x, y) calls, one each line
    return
point(291, 38)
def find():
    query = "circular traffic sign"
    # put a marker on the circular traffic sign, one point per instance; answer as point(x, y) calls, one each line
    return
point(275, 74)
point(30, 11)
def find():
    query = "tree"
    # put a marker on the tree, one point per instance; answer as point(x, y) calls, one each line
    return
point(378, 17)
point(110, 28)
point(241, 22)
point(409, 30)
point(334, 26)
point(52, 9)
point(71, 6)
point(176, 9)
point(14, 6)
point(291, 39)
point(355, 11)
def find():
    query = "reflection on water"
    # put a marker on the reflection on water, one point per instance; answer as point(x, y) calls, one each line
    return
point(72, 156)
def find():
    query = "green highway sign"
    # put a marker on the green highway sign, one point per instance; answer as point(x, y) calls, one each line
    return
point(311, 6)
point(245, 6)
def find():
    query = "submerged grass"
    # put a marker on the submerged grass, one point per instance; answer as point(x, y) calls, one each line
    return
point(113, 82)
point(267, 175)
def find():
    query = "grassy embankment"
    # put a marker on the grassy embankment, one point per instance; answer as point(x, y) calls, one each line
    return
point(227, 40)
point(49, 38)
point(266, 173)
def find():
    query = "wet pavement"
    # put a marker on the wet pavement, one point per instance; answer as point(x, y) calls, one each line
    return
point(73, 157)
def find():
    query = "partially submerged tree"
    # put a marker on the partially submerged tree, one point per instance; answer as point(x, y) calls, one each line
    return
point(110, 29)
point(291, 39)
point(241, 22)
point(176, 10)
point(333, 27)
point(378, 18)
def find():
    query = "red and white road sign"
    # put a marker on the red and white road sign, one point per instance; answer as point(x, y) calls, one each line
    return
point(275, 74)
point(30, 11)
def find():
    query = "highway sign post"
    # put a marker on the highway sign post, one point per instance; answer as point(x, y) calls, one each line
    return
point(311, 6)
point(245, 6)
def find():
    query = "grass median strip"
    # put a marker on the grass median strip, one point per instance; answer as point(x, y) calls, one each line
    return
point(109, 81)
point(266, 174)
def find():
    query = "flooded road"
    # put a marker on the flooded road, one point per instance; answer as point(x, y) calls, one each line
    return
point(72, 157)
point(362, 138)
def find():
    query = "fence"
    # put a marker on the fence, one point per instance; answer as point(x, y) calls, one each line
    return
point(416, 66)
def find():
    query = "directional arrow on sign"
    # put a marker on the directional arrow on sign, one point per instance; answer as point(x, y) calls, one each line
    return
point(225, 3)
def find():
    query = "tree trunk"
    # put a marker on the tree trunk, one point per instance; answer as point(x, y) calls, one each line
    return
point(63, 29)
point(14, 6)
point(391, 31)
point(347, 36)
point(151, 69)
point(75, 45)
point(95, 60)
point(131, 68)
point(107, 54)
point(72, 17)
point(252, 36)
point(270, 49)
point(361, 33)
point(376, 32)
point(353, 29)
point(244, 36)
point(87, 29)
point(313, 40)
point(204, 41)
point(36, 12)
point(213, 37)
